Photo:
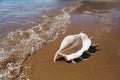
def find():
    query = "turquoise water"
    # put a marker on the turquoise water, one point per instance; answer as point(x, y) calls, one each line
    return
point(18, 14)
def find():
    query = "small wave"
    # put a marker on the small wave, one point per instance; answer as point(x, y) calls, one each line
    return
point(17, 46)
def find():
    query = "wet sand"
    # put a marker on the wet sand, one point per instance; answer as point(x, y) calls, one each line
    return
point(104, 65)
point(101, 22)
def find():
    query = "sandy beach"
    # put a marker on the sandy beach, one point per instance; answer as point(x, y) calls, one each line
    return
point(104, 65)
point(30, 39)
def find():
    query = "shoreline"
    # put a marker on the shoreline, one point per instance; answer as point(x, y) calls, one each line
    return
point(104, 65)
point(97, 67)
point(17, 46)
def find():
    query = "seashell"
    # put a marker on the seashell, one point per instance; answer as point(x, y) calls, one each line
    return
point(73, 46)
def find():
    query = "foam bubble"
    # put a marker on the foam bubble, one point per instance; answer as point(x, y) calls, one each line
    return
point(16, 46)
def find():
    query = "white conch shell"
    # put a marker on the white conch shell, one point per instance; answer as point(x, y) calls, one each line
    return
point(72, 41)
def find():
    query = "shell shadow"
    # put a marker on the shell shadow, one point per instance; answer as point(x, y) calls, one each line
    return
point(92, 50)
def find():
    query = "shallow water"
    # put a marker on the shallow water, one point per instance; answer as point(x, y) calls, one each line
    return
point(101, 22)
point(25, 29)
point(105, 18)
point(20, 14)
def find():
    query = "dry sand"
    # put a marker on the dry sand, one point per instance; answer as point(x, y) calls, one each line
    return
point(104, 65)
